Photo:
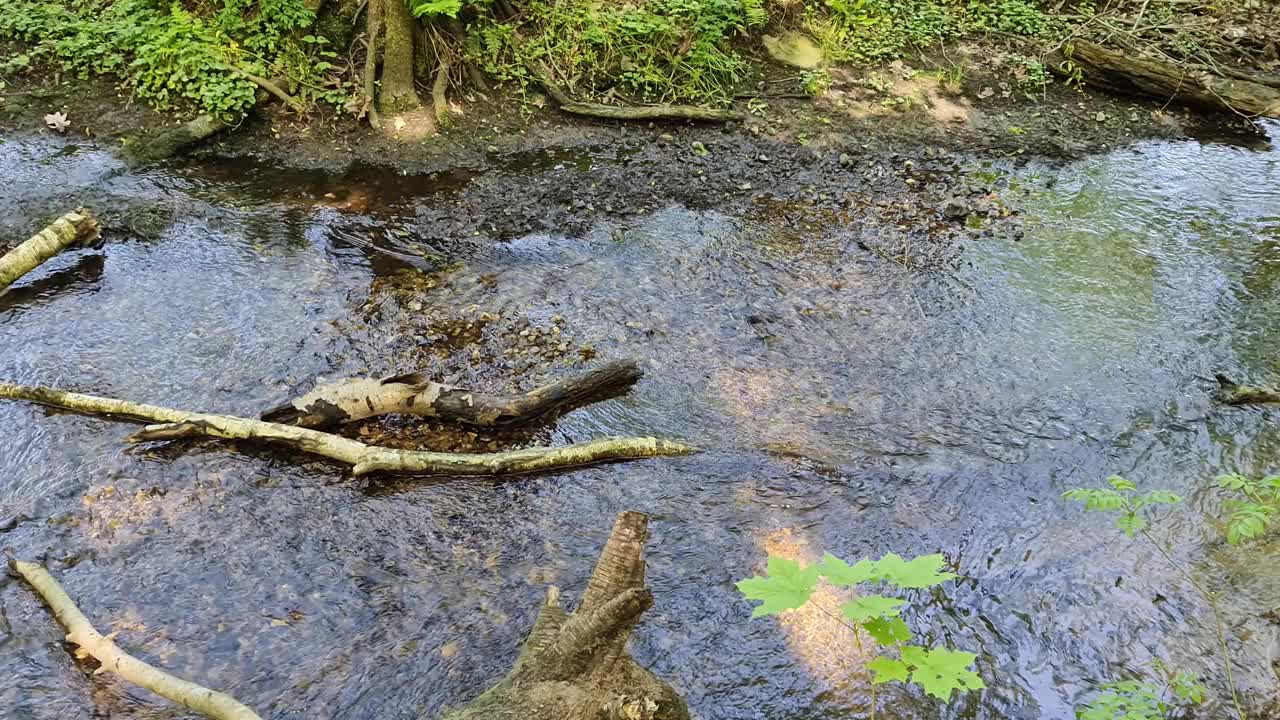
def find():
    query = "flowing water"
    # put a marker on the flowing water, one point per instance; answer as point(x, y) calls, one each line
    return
point(844, 403)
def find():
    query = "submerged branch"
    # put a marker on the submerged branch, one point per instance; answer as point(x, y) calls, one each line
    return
point(363, 458)
point(81, 632)
point(1232, 393)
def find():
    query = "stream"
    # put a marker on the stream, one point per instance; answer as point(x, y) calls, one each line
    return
point(844, 401)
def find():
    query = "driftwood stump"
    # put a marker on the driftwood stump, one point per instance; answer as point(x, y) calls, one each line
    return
point(575, 666)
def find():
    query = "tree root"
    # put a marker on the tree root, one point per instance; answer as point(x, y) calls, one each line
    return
point(1128, 73)
point(81, 632)
point(438, 100)
point(413, 394)
point(576, 666)
point(62, 233)
point(364, 459)
point(1232, 393)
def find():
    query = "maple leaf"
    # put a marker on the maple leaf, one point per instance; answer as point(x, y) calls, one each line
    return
point(841, 574)
point(788, 586)
point(57, 121)
point(920, 572)
point(872, 606)
point(888, 630)
point(939, 670)
point(887, 670)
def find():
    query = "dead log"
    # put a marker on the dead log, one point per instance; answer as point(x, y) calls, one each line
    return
point(72, 228)
point(635, 112)
point(364, 459)
point(413, 394)
point(576, 666)
point(81, 632)
point(1197, 86)
point(1233, 393)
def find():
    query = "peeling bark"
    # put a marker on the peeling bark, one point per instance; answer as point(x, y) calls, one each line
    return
point(364, 459)
point(74, 227)
point(575, 666)
point(413, 394)
point(81, 632)
point(1128, 73)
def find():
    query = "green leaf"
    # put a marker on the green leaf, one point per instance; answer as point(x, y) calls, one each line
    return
point(920, 572)
point(1120, 483)
point(887, 670)
point(1233, 481)
point(1096, 499)
point(940, 670)
point(888, 630)
point(841, 574)
point(1159, 497)
point(1130, 523)
point(872, 606)
point(788, 586)
point(436, 7)
point(1247, 522)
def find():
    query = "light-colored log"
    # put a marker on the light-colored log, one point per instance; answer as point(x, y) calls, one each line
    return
point(74, 227)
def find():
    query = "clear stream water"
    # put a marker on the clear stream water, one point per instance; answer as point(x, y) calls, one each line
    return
point(844, 403)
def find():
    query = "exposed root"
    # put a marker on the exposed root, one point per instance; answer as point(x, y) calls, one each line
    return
point(638, 112)
point(363, 458)
point(81, 632)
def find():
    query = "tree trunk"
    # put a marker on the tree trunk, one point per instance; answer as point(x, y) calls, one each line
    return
point(576, 667)
point(1128, 73)
point(397, 93)
point(364, 459)
point(59, 235)
point(413, 394)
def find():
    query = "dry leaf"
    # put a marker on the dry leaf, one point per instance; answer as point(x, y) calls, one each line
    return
point(399, 123)
point(57, 121)
point(985, 93)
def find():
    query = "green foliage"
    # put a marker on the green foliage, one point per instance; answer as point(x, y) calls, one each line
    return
point(1032, 76)
point(865, 31)
point(1122, 497)
point(1134, 700)
point(1255, 508)
point(428, 8)
point(938, 671)
point(659, 50)
point(171, 56)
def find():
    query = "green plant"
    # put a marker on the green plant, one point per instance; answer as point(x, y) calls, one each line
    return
point(938, 670)
point(1255, 509)
point(1133, 518)
point(1134, 700)
point(815, 82)
point(1032, 76)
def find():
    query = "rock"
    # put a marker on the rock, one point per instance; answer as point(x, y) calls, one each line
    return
point(955, 209)
point(793, 48)
point(845, 160)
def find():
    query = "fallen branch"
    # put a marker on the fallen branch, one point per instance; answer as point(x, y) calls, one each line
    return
point(363, 458)
point(1126, 72)
point(167, 143)
point(62, 233)
point(576, 666)
point(81, 632)
point(1233, 393)
point(413, 394)
point(638, 112)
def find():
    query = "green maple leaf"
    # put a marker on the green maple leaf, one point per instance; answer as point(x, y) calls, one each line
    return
point(940, 670)
point(787, 587)
point(920, 572)
point(887, 669)
point(872, 606)
point(888, 631)
point(842, 574)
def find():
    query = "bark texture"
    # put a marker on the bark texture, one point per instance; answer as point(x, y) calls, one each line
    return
point(167, 143)
point(74, 227)
point(1127, 73)
point(81, 632)
point(363, 458)
point(413, 394)
point(397, 93)
point(576, 666)
point(1233, 393)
